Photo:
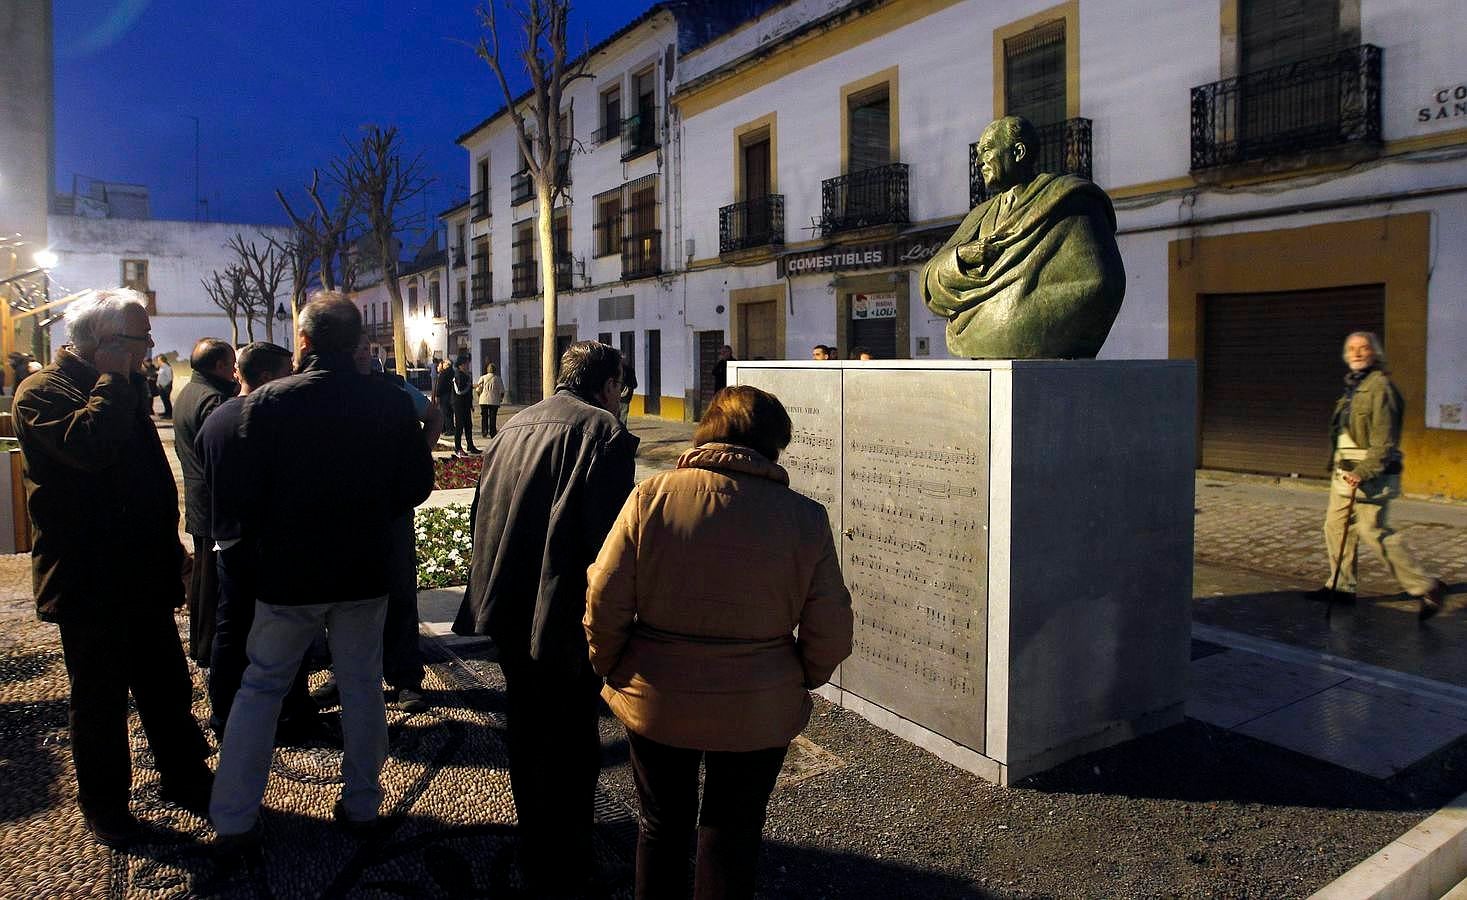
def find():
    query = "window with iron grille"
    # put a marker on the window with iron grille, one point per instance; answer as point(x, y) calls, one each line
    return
point(611, 309)
point(135, 274)
point(641, 246)
point(610, 115)
point(435, 299)
point(522, 270)
point(868, 130)
point(1034, 74)
point(560, 239)
point(607, 230)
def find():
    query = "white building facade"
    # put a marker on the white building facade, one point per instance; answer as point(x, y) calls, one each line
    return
point(1283, 173)
point(166, 260)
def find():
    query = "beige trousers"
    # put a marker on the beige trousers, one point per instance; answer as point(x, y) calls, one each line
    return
point(1372, 528)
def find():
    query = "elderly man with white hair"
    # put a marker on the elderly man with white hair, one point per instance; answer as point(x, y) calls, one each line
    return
point(1365, 433)
point(107, 561)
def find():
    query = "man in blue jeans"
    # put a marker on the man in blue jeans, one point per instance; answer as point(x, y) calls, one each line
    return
point(330, 458)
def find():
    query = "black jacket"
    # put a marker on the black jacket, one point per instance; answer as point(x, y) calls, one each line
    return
point(198, 399)
point(217, 448)
point(552, 484)
point(101, 493)
point(330, 458)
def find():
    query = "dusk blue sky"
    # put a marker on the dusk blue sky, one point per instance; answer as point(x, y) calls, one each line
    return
point(276, 84)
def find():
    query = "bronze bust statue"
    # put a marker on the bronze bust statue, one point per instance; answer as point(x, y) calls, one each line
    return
point(1033, 272)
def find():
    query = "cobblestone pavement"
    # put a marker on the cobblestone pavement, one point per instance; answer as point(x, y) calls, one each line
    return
point(1193, 811)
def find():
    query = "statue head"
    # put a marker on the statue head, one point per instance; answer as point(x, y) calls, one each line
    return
point(1008, 153)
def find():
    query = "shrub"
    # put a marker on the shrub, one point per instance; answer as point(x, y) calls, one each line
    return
point(444, 547)
point(451, 473)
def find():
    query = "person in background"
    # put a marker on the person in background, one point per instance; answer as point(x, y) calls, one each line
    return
point(107, 561)
point(709, 660)
point(214, 381)
point(822, 353)
point(235, 555)
point(1365, 434)
point(463, 398)
point(489, 391)
point(549, 490)
point(150, 372)
point(443, 392)
point(165, 386)
point(720, 367)
point(862, 354)
point(330, 458)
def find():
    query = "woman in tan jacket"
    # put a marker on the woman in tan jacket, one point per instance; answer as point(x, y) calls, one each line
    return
point(691, 614)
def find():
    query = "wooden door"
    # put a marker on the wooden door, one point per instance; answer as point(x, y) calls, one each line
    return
point(759, 330)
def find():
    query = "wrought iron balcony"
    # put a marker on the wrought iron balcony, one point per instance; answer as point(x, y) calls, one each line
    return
point(521, 187)
point(606, 132)
point(379, 333)
point(639, 133)
point(481, 289)
point(522, 279)
point(458, 315)
point(1325, 101)
point(861, 199)
point(564, 271)
point(479, 203)
point(751, 223)
point(641, 254)
point(460, 258)
point(1064, 149)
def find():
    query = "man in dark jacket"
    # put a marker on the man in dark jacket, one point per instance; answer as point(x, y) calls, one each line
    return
point(213, 382)
point(463, 399)
point(552, 484)
point(216, 447)
point(107, 561)
point(330, 459)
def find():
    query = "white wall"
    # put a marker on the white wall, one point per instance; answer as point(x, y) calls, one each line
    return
point(179, 254)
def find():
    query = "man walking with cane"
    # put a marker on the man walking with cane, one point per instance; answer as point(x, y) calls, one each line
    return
point(1365, 476)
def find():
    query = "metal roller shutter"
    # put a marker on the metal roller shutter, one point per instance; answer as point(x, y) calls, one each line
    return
point(1271, 372)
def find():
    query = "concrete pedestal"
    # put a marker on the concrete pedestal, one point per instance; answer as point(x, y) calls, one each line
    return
point(1017, 539)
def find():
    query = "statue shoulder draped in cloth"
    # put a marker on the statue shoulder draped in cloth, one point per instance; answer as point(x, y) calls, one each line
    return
point(1033, 272)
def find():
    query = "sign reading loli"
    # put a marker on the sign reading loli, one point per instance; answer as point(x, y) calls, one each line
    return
point(1447, 103)
point(874, 306)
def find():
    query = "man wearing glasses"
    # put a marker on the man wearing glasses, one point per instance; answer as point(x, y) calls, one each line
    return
point(107, 562)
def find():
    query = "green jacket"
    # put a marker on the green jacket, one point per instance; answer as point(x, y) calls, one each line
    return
point(1374, 425)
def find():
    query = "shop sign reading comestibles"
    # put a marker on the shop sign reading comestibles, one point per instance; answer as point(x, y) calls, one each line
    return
point(873, 306)
point(908, 250)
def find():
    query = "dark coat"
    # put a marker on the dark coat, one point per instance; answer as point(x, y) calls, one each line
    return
point(331, 458)
point(552, 484)
point(200, 397)
point(217, 447)
point(101, 493)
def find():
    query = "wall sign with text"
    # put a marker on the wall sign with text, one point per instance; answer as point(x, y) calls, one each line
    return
point(874, 306)
point(1447, 103)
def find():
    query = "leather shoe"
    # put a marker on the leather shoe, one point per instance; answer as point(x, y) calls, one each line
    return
point(354, 827)
point(114, 830)
point(1431, 601)
point(1330, 595)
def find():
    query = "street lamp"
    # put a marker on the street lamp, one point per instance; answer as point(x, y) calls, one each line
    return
point(282, 317)
point(45, 259)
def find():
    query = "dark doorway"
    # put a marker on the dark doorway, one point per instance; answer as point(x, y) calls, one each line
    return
point(652, 405)
point(709, 343)
point(489, 354)
point(1271, 372)
point(525, 376)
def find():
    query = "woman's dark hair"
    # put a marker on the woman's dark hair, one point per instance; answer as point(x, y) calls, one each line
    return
point(746, 416)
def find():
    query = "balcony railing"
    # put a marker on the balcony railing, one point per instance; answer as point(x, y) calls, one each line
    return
point(1064, 149)
point(458, 314)
point(639, 133)
point(479, 203)
point(522, 279)
point(752, 223)
point(861, 199)
point(481, 288)
point(521, 187)
point(564, 269)
point(606, 132)
point(379, 333)
point(641, 254)
point(1312, 104)
point(460, 258)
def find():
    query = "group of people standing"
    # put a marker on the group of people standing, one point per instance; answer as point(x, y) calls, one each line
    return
point(456, 392)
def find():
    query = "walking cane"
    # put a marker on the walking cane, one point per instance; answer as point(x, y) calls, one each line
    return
point(1329, 608)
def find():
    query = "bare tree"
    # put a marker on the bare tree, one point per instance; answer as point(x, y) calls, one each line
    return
point(264, 268)
point(230, 291)
point(325, 227)
point(543, 147)
point(380, 183)
point(297, 251)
